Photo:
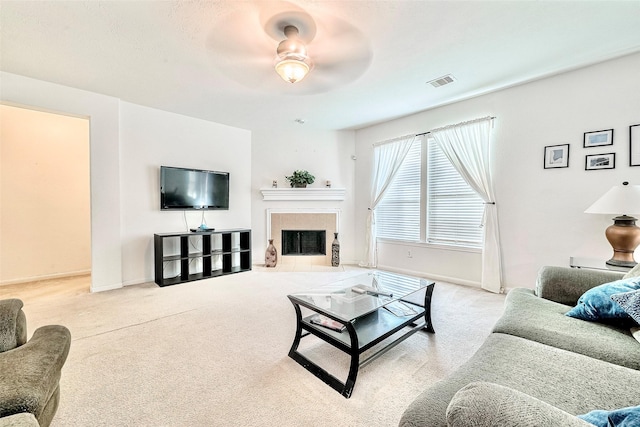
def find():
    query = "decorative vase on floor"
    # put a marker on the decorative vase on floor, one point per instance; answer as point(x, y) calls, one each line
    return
point(335, 251)
point(271, 255)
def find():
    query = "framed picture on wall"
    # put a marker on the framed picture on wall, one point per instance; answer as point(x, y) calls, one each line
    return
point(556, 156)
point(634, 145)
point(598, 138)
point(600, 161)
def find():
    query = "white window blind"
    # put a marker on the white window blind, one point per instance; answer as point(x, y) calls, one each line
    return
point(455, 210)
point(451, 210)
point(398, 213)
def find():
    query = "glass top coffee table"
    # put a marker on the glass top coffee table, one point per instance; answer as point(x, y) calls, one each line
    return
point(358, 313)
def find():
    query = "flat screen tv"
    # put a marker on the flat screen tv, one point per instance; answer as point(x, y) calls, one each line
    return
point(186, 189)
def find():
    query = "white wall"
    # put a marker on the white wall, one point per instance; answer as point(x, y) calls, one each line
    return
point(119, 253)
point(326, 155)
point(151, 138)
point(103, 113)
point(45, 227)
point(541, 212)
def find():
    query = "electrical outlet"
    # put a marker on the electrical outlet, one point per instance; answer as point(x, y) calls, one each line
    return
point(409, 255)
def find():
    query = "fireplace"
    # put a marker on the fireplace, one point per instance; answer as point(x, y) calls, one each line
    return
point(323, 222)
point(304, 242)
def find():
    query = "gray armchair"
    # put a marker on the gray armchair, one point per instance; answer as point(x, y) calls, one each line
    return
point(30, 370)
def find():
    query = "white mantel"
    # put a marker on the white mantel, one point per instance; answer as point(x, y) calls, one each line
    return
point(303, 193)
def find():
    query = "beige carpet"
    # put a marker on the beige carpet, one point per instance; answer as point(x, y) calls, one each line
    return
point(214, 353)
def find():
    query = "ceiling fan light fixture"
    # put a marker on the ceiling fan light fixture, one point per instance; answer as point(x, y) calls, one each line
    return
point(292, 62)
point(292, 70)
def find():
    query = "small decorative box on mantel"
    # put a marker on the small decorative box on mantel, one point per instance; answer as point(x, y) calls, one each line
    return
point(303, 193)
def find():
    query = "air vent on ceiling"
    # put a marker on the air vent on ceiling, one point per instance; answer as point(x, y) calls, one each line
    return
point(441, 81)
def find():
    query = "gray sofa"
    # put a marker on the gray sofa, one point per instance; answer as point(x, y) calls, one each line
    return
point(29, 370)
point(538, 366)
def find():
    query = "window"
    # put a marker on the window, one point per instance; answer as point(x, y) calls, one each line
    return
point(439, 209)
point(398, 213)
point(455, 210)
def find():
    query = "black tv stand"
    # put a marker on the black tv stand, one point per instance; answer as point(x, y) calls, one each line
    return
point(185, 257)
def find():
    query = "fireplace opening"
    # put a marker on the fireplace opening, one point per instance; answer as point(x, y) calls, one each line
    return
point(304, 242)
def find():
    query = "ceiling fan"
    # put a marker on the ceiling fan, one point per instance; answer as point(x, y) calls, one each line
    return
point(326, 52)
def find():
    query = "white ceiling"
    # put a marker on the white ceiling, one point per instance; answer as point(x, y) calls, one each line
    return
point(206, 58)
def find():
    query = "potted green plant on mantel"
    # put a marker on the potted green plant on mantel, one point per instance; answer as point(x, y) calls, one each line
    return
point(300, 179)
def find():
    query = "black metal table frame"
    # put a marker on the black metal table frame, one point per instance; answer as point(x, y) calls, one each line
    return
point(353, 349)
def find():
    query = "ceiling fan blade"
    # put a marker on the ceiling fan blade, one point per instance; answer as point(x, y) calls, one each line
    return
point(246, 56)
point(341, 53)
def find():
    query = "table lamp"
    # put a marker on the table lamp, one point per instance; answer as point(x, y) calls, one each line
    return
point(623, 235)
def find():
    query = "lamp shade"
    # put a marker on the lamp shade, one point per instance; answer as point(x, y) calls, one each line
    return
point(619, 200)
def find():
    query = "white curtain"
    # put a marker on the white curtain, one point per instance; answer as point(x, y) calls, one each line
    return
point(467, 146)
point(388, 157)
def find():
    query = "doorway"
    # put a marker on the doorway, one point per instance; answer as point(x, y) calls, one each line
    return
point(45, 208)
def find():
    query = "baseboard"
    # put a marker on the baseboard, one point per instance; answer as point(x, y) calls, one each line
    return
point(137, 282)
point(45, 277)
point(435, 277)
point(106, 287)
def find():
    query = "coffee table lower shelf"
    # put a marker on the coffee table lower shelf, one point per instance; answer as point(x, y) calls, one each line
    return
point(360, 335)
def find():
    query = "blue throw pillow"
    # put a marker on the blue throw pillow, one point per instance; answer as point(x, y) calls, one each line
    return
point(596, 304)
point(630, 302)
point(625, 417)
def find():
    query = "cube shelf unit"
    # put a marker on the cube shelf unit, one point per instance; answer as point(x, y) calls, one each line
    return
point(184, 257)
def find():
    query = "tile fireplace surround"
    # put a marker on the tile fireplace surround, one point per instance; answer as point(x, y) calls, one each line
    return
point(302, 219)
